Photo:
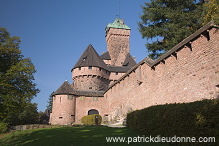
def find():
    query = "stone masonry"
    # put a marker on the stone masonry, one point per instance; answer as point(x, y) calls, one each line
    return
point(105, 84)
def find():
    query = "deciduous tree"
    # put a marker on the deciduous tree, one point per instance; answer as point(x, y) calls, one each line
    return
point(211, 8)
point(16, 78)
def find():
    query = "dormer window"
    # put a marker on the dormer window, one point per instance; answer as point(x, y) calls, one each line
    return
point(90, 67)
point(84, 58)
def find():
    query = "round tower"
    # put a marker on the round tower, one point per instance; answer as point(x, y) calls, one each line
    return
point(90, 73)
point(63, 106)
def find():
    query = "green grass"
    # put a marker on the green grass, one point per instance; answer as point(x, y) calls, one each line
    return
point(69, 136)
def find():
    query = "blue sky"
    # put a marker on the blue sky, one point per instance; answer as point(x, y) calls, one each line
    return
point(54, 34)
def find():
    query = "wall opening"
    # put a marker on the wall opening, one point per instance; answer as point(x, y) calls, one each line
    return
point(93, 111)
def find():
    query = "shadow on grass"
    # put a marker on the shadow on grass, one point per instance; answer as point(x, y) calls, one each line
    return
point(70, 136)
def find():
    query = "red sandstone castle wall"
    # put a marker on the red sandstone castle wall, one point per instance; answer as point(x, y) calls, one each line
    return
point(84, 104)
point(94, 79)
point(118, 45)
point(193, 75)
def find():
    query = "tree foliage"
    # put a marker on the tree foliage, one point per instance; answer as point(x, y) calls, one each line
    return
point(211, 11)
point(49, 106)
point(170, 21)
point(16, 79)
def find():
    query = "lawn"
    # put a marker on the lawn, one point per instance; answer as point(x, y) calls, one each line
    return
point(69, 136)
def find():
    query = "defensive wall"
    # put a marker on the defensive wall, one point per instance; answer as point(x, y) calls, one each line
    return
point(187, 73)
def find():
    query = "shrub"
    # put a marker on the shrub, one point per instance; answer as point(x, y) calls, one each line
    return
point(90, 119)
point(196, 119)
point(3, 127)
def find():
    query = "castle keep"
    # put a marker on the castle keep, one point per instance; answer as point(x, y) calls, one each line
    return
point(112, 84)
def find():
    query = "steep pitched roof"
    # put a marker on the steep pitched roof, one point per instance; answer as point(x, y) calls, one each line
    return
point(90, 58)
point(129, 61)
point(65, 88)
point(105, 56)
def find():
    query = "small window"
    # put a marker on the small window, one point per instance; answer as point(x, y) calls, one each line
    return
point(79, 68)
point(117, 73)
point(60, 117)
point(95, 99)
point(82, 98)
point(100, 69)
point(84, 58)
point(90, 67)
point(90, 87)
point(70, 97)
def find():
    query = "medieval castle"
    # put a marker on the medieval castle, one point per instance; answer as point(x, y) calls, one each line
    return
point(112, 84)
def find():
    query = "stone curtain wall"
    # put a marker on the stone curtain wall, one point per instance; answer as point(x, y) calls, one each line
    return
point(190, 75)
point(84, 104)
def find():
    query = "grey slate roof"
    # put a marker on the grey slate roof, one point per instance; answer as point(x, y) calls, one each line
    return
point(89, 93)
point(120, 69)
point(65, 89)
point(129, 61)
point(105, 56)
point(90, 58)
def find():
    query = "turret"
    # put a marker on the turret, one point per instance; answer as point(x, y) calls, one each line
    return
point(90, 73)
point(63, 105)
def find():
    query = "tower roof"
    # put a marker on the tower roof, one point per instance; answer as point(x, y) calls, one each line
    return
point(90, 58)
point(129, 61)
point(65, 88)
point(105, 56)
point(118, 23)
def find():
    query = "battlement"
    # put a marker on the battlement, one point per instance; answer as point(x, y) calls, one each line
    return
point(187, 73)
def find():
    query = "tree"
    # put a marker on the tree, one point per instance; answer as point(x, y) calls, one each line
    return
point(16, 78)
point(170, 21)
point(29, 114)
point(211, 11)
point(49, 106)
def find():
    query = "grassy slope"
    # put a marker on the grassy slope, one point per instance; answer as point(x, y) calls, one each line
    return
point(68, 136)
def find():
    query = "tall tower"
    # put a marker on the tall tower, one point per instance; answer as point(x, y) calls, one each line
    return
point(117, 39)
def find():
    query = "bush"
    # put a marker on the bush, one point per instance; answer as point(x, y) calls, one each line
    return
point(90, 119)
point(196, 119)
point(3, 127)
